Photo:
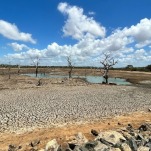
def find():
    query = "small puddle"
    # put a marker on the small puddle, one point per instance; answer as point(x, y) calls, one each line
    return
point(90, 79)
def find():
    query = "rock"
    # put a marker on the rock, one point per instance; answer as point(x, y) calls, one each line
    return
point(101, 147)
point(142, 148)
point(65, 146)
point(41, 150)
point(80, 148)
point(33, 149)
point(148, 144)
point(91, 144)
point(126, 135)
point(114, 149)
point(72, 146)
point(34, 143)
point(149, 110)
point(143, 127)
point(112, 137)
point(52, 145)
point(125, 147)
point(94, 132)
point(132, 144)
point(119, 123)
point(79, 139)
point(129, 125)
point(14, 147)
point(129, 128)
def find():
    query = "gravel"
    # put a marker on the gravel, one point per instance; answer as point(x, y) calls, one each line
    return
point(25, 109)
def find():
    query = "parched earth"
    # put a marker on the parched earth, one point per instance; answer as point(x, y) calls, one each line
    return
point(41, 107)
point(28, 112)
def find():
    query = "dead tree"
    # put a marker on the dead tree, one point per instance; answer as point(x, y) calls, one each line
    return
point(36, 61)
point(107, 63)
point(18, 71)
point(9, 70)
point(70, 66)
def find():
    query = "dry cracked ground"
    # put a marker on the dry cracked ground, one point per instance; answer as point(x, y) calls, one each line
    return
point(26, 109)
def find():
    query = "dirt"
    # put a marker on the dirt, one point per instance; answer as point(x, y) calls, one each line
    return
point(65, 133)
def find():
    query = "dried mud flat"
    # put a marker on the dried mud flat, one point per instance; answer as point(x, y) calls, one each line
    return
point(53, 109)
point(27, 109)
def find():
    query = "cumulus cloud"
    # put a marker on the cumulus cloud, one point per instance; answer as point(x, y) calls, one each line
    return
point(79, 25)
point(127, 44)
point(11, 31)
point(18, 47)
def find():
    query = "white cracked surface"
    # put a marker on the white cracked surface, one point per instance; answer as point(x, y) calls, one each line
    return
point(24, 109)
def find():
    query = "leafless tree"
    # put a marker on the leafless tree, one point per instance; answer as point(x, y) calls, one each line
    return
point(18, 71)
point(70, 65)
point(107, 63)
point(36, 61)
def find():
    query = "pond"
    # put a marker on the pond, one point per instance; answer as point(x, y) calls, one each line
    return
point(90, 79)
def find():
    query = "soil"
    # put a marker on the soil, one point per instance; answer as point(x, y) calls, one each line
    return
point(65, 133)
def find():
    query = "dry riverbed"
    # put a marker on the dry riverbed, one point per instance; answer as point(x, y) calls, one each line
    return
point(58, 105)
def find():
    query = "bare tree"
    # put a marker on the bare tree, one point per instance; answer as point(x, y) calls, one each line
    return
point(18, 71)
point(107, 63)
point(36, 61)
point(70, 66)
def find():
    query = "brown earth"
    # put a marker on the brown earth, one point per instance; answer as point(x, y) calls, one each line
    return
point(65, 133)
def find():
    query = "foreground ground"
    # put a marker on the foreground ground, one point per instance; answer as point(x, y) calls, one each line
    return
point(61, 108)
point(65, 133)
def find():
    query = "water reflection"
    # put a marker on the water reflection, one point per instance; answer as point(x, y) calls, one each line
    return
point(90, 79)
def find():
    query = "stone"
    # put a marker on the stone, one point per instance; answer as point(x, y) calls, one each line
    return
point(125, 147)
point(143, 127)
point(101, 147)
point(132, 144)
point(80, 148)
point(126, 135)
point(148, 145)
point(91, 144)
point(143, 148)
point(79, 139)
point(14, 147)
point(112, 137)
point(94, 132)
point(149, 110)
point(34, 143)
point(72, 146)
point(114, 149)
point(52, 145)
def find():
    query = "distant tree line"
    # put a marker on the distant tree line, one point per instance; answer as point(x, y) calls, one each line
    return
point(127, 68)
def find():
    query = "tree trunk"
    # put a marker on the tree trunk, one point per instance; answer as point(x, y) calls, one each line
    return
point(9, 73)
point(105, 76)
point(70, 75)
point(36, 71)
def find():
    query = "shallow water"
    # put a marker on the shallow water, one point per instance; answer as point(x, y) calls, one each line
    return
point(90, 79)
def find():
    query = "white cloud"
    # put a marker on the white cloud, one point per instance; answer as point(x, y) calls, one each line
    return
point(79, 25)
point(91, 13)
point(18, 47)
point(127, 44)
point(11, 31)
point(140, 32)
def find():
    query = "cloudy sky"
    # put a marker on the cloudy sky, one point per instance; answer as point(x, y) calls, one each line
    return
point(83, 29)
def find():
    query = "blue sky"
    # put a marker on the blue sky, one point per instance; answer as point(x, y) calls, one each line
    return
point(84, 30)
